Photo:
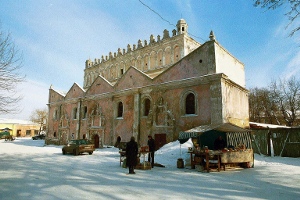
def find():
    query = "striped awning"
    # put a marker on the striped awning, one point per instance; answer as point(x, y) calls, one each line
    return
point(187, 135)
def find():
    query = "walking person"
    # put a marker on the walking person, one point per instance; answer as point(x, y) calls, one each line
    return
point(151, 144)
point(131, 155)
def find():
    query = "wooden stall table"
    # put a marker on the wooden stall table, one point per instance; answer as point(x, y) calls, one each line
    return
point(213, 156)
point(237, 157)
point(142, 153)
point(199, 157)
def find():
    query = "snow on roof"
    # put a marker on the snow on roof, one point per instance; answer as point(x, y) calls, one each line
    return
point(224, 127)
point(262, 125)
point(16, 121)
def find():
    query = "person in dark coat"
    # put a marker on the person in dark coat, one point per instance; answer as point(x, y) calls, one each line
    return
point(151, 144)
point(219, 143)
point(117, 144)
point(131, 155)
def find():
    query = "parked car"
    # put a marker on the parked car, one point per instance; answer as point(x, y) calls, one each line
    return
point(39, 137)
point(79, 146)
point(4, 134)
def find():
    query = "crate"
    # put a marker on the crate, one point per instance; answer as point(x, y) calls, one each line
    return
point(144, 166)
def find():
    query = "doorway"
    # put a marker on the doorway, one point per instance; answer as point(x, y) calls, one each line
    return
point(96, 140)
point(160, 140)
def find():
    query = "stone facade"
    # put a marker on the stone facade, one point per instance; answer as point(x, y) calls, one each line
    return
point(160, 89)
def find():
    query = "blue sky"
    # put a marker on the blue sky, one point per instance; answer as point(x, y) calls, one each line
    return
point(56, 37)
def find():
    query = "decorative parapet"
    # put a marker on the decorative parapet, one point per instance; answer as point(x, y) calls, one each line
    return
point(147, 56)
point(135, 47)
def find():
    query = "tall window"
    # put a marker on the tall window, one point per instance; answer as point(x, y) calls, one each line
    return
point(74, 113)
point(84, 112)
point(146, 107)
point(120, 109)
point(190, 104)
point(55, 116)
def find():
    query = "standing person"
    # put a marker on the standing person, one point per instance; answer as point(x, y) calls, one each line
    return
point(151, 144)
point(117, 144)
point(131, 155)
point(219, 143)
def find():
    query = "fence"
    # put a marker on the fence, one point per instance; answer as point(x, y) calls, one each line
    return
point(283, 142)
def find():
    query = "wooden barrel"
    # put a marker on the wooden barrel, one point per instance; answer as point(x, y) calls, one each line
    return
point(180, 163)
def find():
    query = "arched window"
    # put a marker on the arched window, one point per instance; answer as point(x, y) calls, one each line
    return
point(190, 104)
point(120, 109)
point(146, 107)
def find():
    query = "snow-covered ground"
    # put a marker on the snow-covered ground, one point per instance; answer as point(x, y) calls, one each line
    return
point(30, 170)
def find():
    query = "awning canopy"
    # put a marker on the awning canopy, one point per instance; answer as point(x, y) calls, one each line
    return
point(5, 129)
point(225, 127)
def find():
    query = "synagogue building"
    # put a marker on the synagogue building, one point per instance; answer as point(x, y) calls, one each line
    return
point(158, 87)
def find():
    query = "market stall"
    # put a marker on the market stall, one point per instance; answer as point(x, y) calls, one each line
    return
point(237, 149)
point(141, 158)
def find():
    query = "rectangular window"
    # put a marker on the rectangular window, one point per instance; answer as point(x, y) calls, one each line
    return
point(75, 113)
point(120, 109)
point(84, 112)
point(55, 117)
point(28, 132)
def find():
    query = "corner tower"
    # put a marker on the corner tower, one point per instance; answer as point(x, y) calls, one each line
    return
point(182, 27)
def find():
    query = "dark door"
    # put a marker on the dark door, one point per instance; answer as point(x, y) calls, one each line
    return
point(18, 133)
point(160, 140)
point(96, 141)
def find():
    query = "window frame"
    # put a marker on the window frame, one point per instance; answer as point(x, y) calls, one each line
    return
point(120, 110)
point(146, 109)
point(74, 113)
point(190, 104)
point(183, 103)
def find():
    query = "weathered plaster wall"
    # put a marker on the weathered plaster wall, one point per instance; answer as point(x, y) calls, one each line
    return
point(229, 65)
point(235, 104)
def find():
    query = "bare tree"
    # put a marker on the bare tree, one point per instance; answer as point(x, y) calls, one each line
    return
point(286, 95)
point(10, 64)
point(292, 14)
point(261, 106)
point(40, 116)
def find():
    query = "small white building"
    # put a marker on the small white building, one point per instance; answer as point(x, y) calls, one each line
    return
point(20, 128)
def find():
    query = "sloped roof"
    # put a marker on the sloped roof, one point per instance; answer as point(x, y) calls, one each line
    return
point(16, 121)
point(262, 125)
point(225, 127)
